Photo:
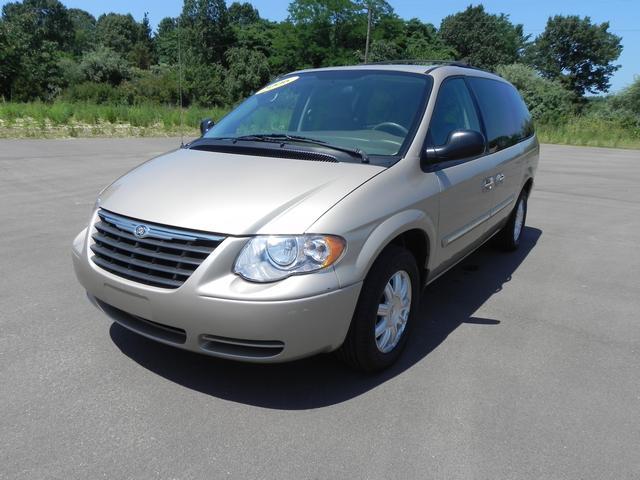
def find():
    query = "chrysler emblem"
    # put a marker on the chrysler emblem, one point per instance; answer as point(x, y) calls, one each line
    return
point(141, 231)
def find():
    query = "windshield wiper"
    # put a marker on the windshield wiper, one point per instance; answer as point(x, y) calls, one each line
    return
point(283, 137)
point(277, 137)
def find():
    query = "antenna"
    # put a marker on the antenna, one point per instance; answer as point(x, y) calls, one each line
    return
point(180, 86)
point(366, 47)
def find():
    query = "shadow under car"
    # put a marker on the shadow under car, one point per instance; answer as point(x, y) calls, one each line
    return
point(322, 380)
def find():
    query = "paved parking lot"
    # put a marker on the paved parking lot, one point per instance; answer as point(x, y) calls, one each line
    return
point(524, 365)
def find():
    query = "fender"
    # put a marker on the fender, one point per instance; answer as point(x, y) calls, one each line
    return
point(381, 236)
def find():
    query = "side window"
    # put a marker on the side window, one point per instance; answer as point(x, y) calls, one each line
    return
point(505, 115)
point(454, 111)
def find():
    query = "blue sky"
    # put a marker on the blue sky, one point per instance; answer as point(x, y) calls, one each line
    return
point(623, 16)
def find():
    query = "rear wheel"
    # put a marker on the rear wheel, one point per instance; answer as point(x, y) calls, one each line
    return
point(383, 317)
point(509, 236)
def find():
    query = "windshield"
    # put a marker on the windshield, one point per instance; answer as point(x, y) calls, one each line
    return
point(372, 111)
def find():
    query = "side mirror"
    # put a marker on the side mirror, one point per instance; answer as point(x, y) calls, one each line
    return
point(206, 125)
point(460, 144)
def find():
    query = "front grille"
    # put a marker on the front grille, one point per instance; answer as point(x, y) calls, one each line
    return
point(149, 253)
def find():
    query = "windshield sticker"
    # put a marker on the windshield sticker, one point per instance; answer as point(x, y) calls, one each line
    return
point(281, 83)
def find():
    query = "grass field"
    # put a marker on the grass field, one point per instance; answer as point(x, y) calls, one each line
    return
point(590, 131)
point(63, 120)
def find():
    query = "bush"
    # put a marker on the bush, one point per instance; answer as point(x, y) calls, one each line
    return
point(616, 109)
point(383, 51)
point(629, 98)
point(548, 100)
point(105, 66)
point(98, 93)
point(158, 85)
point(70, 71)
point(204, 84)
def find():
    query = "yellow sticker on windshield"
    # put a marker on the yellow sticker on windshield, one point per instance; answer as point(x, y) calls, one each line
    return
point(278, 84)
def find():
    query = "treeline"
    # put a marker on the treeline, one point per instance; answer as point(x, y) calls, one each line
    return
point(49, 52)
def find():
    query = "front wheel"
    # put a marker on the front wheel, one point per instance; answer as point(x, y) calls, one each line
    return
point(509, 236)
point(388, 302)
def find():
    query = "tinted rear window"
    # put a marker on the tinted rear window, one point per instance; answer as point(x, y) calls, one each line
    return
point(506, 118)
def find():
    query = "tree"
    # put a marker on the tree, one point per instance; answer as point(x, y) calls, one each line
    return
point(38, 75)
point(32, 36)
point(143, 53)
point(287, 53)
point(42, 20)
point(333, 32)
point(117, 32)
point(483, 39)
point(257, 36)
point(578, 53)
point(385, 24)
point(84, 30)
point(11, 51)
point(243, 14)
point(329, 31)
point(205, 31)
point(422, 42)
point(166, 40)
point(128, 38)
point(248, 71)
point(327, 12)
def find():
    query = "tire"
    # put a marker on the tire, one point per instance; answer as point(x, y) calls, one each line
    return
point(362, 348)
point(508, 239)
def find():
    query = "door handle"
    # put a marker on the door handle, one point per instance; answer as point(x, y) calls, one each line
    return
point(500, 178)
point(488, 184)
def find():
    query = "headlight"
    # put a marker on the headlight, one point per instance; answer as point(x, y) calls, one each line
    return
point(271, 258)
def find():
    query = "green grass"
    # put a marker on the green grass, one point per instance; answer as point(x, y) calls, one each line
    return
point(64, 119)
point(592, 132)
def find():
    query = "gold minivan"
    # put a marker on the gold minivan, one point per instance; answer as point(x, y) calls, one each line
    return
point(309, 218)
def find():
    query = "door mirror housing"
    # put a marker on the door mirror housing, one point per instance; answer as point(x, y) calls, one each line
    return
point(206, 125)
point(461, 144)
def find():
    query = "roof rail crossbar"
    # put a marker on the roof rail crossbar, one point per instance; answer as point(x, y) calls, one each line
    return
point(426, 63)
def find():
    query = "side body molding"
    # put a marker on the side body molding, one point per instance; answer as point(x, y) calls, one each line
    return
point(452, 237)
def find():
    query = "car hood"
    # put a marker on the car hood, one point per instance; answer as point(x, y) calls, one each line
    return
point(233, 194)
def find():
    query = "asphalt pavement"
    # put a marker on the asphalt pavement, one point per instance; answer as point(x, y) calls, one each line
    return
point(522, 366)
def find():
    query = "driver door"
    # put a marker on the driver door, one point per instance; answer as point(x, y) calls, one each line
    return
point(465, 204)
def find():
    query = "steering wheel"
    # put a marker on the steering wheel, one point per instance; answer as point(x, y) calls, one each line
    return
point(391, 127)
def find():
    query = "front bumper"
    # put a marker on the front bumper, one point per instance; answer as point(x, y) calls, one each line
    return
point(217, 313)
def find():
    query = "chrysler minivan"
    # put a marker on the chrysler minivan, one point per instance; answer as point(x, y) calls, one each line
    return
point(310, 218)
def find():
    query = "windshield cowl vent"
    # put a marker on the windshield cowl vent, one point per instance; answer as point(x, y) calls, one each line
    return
point(277, 152)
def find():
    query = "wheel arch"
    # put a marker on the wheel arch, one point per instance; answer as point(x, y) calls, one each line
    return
point(528, 186)
point(417, 242)
point(411, 229)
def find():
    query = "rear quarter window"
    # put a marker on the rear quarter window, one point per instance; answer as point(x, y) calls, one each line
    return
point(506, 118)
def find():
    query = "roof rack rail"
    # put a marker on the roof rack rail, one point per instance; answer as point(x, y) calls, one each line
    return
point(431, 63)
